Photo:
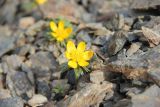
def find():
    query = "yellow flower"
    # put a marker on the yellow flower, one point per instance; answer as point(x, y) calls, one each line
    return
point(40, 2)
point(60, 32)
point(77, 56)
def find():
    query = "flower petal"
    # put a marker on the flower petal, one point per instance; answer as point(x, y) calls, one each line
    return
point(88, 55)
point(68, 55)
point(40, 1)
point(81, 46)
point(54, 34)
point(83, 63)
point(53, 26)
point(72, 64)
point(68, 30)
point(61, 24)
point(60, 39)
point(70, 46)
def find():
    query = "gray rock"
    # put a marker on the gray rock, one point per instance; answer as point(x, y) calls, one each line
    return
point(4, 94)
point(97, 76)
point(115, 23)
point(135, 35)
point(133, 48)
point(5, 31)
point(11, 102)
point(152, 35)
point(56, 51)
point(8, 11)
point(6, 44)
point(30, 39)
point(13, 61)
point(135, 66)
point(100, 40)
point(108, 104)
point(62, 59)
point(43, 64)
point(130, 90)
point(109, 95)
point(32, 30)
point(145, 4)
point(117, 42)
point(50, 104)
point(43, 89)
point(123, 103)
point(56, 75)
point(83, 36)
point(25, 22)
point(1, 81)
point(154, 21)
point(1, 69)
point(24, 50)
point(91, 95)
point(154, 74)
point(19, 83)
point(149, 98)
point(29, 73)
point(37, 100)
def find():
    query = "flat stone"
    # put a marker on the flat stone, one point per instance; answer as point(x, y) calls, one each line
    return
point(117, 42)
point(108, 104)
point(25, 22)
point(13, 61)
point(37, 100)
point(6, 44)
point(1, 82)
point(50, 104)
point(100, 40)
point(145, 4)
point(133, 48)
point(130, 90)
point(18, 82)
point(12, 102)
point(123, 103)
point(152, 35)
point(22, 51)
point(92, 94)
point(8, 11)
point(29, 73)
point(154, 21)
point(61, 59)
point(43, 64)
point(97, 76)
point(135, 66)
point(4, 93)
point(43, 89)
point(63, 8)
point(115, 22)
point(149, 98)
point(154, 74)
point(5, 30)
point(83, 36)
point(32, 30)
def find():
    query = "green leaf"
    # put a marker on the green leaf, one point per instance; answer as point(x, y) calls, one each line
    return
point(28, 6)
point(49, 36)
point(58, 89)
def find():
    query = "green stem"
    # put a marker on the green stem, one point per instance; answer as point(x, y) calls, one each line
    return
point(86, 69)
point(39, 8)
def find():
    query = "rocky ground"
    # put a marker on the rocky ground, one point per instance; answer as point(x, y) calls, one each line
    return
point(124, 34)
